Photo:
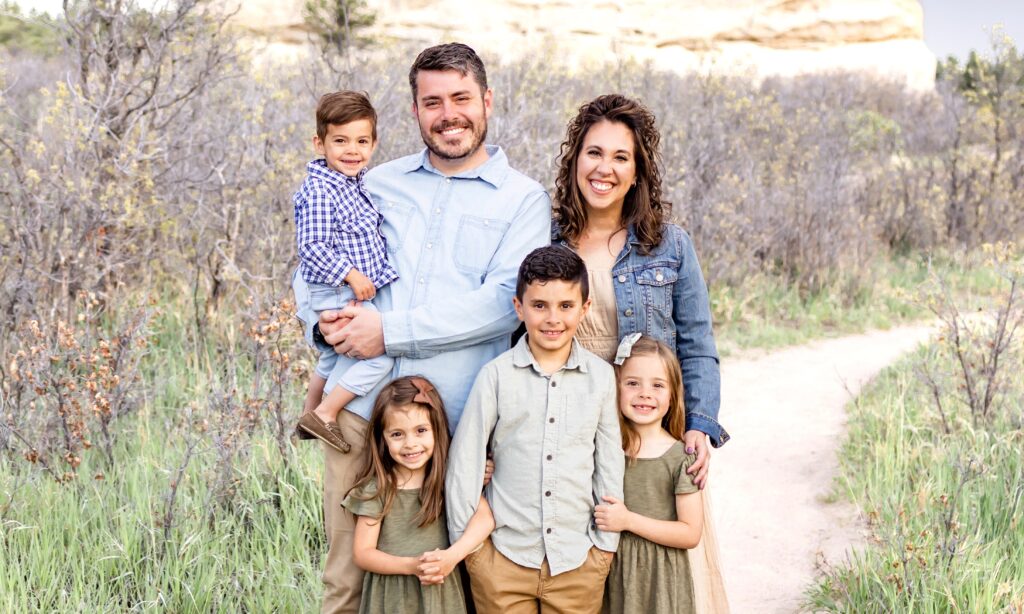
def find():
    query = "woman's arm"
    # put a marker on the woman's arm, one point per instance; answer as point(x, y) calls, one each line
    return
point(682, 533)
point(366, 555)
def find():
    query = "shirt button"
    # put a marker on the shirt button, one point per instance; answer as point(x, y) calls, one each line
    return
point(659, 276)
point(421, 281)
point(547, 493)
point(548, 531)
point(448, 180)
point(622, 279)
point(430, 245)
point(551, 420)
point(554, 384)
point(438, 210)
point(628, 312)
point(550, 457)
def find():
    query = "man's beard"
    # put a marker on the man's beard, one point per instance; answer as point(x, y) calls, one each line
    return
point(437, 145)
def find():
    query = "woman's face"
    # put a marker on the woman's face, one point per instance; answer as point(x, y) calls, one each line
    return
point(606, 166)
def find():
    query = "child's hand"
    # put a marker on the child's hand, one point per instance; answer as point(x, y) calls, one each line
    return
point(488, 471)
point(361, 285)
point(613, 515)
point(434, 566)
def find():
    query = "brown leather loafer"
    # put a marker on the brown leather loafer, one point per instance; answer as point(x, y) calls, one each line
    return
point(327, 432)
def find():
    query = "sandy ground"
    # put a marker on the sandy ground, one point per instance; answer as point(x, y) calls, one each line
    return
point(770, 483)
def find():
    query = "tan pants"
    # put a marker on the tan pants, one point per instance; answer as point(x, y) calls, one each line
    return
point(501, 586)
point(343, 581)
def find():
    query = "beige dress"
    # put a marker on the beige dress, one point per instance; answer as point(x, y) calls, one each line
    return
point(599, 333)
point(599, 329)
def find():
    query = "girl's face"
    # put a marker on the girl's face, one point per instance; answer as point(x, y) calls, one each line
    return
point(645, 392)
point(409, 437)
point(606, 166)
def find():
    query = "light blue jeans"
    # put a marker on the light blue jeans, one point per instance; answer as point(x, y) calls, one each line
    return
point(358, 377)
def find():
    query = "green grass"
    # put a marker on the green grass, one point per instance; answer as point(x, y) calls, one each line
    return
point(946, 511)
point(765, 313)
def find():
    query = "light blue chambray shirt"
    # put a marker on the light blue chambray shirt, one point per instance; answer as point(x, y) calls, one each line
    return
point(457, 243)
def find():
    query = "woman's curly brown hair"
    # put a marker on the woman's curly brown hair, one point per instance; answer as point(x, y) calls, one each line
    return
point(643, 207)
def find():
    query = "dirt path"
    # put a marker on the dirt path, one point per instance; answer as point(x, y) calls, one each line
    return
point(785, 411)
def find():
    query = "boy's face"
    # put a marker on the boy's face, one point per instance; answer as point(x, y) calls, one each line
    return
point(347, 148)
point(551, 311)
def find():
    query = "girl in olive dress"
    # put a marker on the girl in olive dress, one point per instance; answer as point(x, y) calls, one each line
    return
point(401, 537)
point(662, 514)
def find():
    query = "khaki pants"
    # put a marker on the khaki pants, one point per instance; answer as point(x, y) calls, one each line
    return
point(343, 581)
point(501, 586)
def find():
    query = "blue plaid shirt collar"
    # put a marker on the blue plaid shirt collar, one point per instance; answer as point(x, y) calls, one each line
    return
point(319, 168)
point(493, 171)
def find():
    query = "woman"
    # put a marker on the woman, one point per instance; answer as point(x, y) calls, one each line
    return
point(644, 274)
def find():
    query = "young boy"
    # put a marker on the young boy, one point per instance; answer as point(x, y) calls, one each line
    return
point(547, 411)
point(342, 254)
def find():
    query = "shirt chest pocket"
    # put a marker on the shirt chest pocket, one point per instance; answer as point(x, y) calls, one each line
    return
point(581, 416)
point(656, 284)
point(397, 219)
point(476, 240)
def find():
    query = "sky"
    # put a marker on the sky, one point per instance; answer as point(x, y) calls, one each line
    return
point(950, 26)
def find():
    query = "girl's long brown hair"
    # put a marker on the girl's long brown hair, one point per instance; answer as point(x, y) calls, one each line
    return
point(674, 420)
point(380, 467)
point(643, 207)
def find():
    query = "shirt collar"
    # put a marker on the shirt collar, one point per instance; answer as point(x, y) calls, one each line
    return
point(522, 356)
point(320, 169)
point(493, 171)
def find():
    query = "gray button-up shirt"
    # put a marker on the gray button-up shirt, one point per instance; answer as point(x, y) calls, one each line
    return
point(557, 450)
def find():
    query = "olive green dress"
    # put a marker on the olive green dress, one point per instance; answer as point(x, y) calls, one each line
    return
point(645, 576)
point(401, 536)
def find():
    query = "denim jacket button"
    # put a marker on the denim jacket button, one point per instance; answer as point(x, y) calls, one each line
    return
point(622, 279)
point(629, 312)
point(659, 277)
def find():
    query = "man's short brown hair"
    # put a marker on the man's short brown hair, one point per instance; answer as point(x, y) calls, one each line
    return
point(449, 56)
point(343, 107)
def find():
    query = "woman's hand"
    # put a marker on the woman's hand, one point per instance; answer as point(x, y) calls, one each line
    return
point(696, 442)
point(613, 515)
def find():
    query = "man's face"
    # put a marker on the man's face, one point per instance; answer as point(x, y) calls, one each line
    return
point(452, 113)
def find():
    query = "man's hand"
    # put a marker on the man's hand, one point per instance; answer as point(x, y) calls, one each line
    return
point(613, 515)
point(697, 442)
point(361, 338)
point(361, 285)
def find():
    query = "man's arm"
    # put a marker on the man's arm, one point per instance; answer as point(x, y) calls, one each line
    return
point(609, 462)
point(467, 454)
point(460, 320)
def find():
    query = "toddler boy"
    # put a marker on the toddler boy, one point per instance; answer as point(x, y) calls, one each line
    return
point(547, 411)
point(342, 254)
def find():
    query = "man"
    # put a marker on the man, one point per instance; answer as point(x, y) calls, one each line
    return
point(458, 222)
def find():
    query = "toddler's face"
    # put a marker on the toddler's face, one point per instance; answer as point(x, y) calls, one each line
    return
point(347, 148)
point(644, 389)
point(409, 437)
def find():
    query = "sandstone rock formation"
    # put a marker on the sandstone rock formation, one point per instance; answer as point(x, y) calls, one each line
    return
point(755, 37)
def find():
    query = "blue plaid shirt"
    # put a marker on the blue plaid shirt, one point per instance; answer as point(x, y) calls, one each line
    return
point(337, 228)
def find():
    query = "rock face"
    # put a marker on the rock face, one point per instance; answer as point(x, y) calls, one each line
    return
point(755, 37)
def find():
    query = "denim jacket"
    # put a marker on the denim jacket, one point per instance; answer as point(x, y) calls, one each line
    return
point(663, 295)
